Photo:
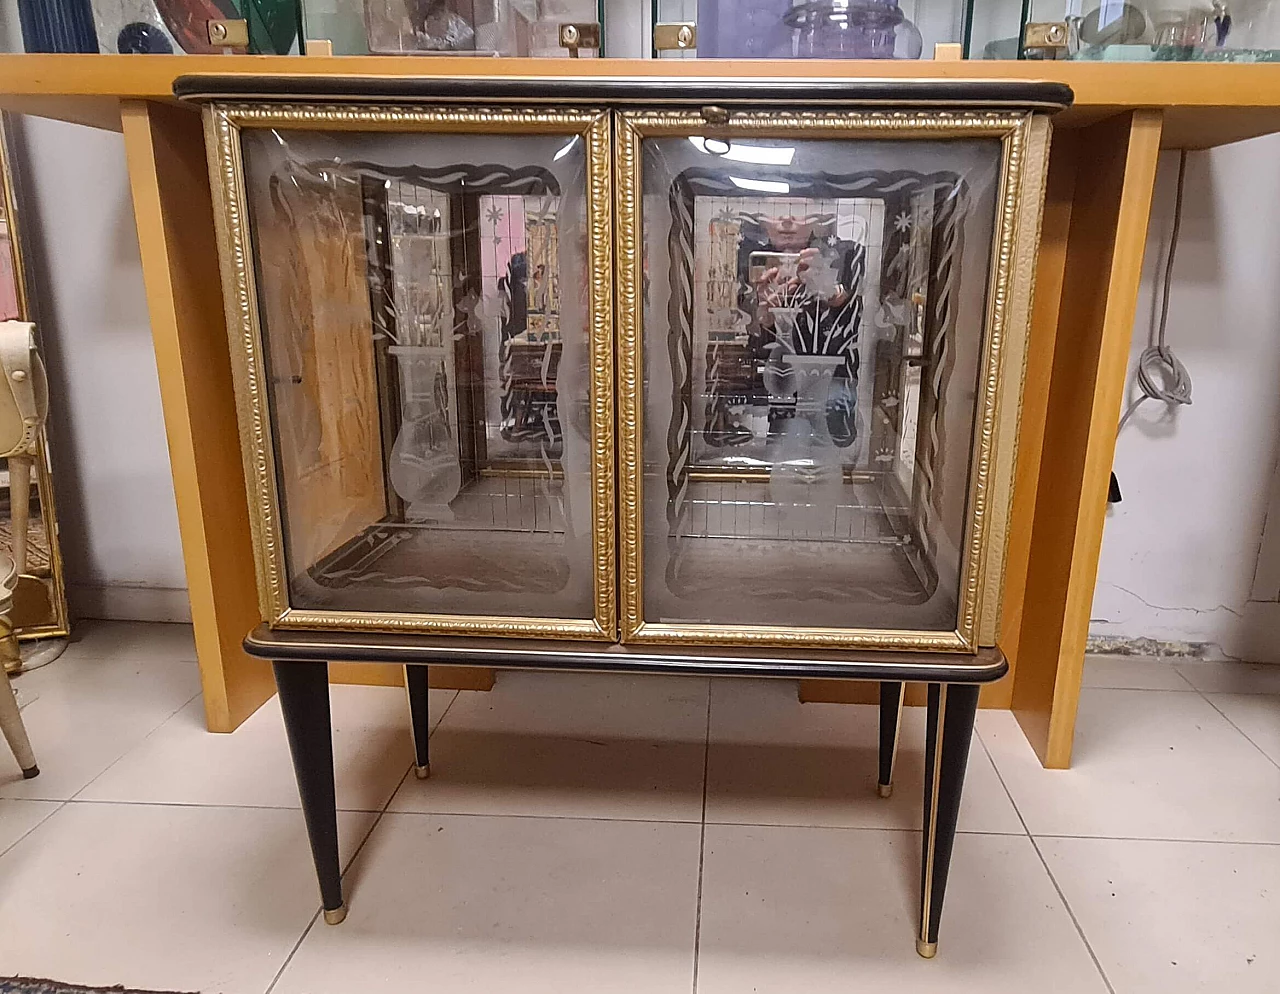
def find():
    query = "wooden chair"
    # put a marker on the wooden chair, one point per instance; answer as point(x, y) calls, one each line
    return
point(24, 404)
point(10, 717)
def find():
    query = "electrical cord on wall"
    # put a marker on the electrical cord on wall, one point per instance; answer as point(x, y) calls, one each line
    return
point(1160, 375)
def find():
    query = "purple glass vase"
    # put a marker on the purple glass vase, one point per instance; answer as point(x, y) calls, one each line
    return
point(817, 29)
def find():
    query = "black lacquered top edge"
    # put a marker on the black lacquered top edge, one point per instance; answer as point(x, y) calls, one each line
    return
point(645, 90)
point(281, 645)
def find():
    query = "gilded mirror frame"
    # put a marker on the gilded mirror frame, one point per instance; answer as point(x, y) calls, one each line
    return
point(1024, 138)
point(54, 622)
point(223, 125)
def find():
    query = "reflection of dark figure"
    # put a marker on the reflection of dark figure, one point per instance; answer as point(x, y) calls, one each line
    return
point(529, 402)
point(515, 297)
point(821, 279)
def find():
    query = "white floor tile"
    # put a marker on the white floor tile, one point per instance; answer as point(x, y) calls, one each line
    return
point(160, 897)
point(85, 713)
point(1229, 677)
point(181, 762)
point(114, 639)
point(1147, 764)
point(829, 910)
point(1133, 673)
point(18, 817)
point(476, 903)
point(775, 761)
point(1175, 917)
point(1256, 715)
point(581, 745)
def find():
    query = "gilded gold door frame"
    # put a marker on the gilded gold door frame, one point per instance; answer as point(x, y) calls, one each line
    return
point(223, 123)
point(39, 602)
point(1025, 139)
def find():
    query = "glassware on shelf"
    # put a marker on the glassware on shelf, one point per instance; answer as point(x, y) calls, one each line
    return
point(484, 27)
point(196, 27)
point(805, 29)
point(1122, 31)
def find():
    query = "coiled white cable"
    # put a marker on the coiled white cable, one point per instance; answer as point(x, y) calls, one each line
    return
point(1160, 375)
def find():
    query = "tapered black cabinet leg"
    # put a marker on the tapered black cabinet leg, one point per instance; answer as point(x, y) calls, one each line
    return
point(891, 696)
point(415, 678)
point(951, 711)
point(304, 701)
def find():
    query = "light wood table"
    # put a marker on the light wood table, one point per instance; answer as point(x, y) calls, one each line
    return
point(1102, 171)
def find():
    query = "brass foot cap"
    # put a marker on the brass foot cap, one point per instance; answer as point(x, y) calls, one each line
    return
point(31, 773)
point(884, 789)
point(926, 949)
point(422, 772)
point(336, 916)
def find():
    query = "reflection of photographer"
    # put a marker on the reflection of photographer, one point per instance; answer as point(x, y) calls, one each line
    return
point(800, 266)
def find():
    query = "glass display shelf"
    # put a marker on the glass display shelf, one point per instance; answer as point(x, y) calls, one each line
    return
point(537, 28)
point(1121, 31)
point(154, 27)
point(814, 29)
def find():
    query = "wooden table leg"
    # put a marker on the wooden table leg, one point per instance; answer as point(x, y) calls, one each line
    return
point(952, 708)
point(892, 696)
point(172, 204)
point(1100, 186)
point(416, 681)
point(304, 702)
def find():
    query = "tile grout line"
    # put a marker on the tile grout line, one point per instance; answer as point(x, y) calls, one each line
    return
point(359, 849)
point(289, 959)
point(1228, 720)
point(702, 843)
point(60, 806)
point(1097, 963)
point(115, 762)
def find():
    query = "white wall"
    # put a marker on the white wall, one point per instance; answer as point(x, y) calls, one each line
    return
point(1180, 551)
point(118, 523)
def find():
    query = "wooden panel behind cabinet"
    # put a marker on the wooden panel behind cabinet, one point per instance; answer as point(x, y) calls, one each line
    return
point(314, 292)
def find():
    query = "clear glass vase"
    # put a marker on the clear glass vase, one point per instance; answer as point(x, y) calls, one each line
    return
point(853, 29)
point(425, 469)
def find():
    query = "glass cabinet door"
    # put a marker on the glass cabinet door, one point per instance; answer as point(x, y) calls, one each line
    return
point(427, 343)
point(804, 29)
point(812, 374)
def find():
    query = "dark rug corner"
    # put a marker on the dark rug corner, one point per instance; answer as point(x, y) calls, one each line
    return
point(34, 985)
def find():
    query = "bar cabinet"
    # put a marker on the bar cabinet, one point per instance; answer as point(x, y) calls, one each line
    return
point(697, 376)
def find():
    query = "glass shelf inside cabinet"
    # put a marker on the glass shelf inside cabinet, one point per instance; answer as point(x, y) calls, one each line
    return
point(813, 29)
point(537, 28)
point(813, 330)
point(1121, 31)
point(425, 324)
point(194, 27)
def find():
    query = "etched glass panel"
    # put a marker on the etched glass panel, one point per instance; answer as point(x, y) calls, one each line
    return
point(428, 368)
point(813, 327)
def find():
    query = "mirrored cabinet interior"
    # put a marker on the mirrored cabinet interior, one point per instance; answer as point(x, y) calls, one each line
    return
point(721, 364)
point(425, 332)
point(39, 603)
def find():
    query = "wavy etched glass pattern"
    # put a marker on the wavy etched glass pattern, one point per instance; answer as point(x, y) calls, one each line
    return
point(424, 316)
point(813, 331)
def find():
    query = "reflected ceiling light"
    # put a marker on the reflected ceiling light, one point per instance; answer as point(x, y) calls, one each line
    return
point(764, 155)
point(565, 151)
point(763, 185)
